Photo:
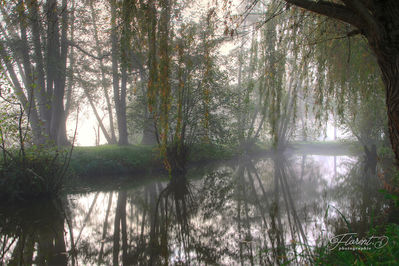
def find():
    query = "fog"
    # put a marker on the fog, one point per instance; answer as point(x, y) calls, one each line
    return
point(190, 133)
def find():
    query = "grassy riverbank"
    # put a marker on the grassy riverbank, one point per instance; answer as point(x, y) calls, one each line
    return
point(113, 159)
point(42, 171)
point(107, 160)
point(334, 147)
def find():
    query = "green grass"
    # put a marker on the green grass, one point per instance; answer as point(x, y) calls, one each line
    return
point(388, 255)
point(208, 152)
point(106, 160)
point(332, 147)
point(112, 159)
point(381, 248)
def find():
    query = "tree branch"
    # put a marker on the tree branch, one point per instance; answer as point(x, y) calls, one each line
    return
point(331, 10)
point(71, 43)
point(363, 12)
point(353, 33)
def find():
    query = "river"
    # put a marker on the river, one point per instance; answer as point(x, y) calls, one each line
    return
point(250, 211)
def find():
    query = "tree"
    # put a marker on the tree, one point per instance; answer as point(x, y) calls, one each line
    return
point(112, 138)
point(41, 58)
point(377, 22)
point(118, 52)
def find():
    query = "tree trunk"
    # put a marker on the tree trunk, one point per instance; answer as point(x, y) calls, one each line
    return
point(103, 79)
point(40, 92)
point(52, 49)
point(383, 38)
point(119, 94)
point(149, 137)
point(71, 59)
point(99, 119)
point(389, 66)
point(18, 90)
point(56, 74)
point(31, 110)
point(121, 111)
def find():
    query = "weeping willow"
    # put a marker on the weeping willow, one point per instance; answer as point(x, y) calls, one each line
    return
point(348, 83)
point(270, 84)
point(307, 68)
point(180, 83)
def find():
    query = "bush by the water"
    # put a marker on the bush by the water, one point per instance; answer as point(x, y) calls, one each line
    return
point(36, 173)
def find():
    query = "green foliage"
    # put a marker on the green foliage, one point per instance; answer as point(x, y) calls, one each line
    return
point(208, 152)
point(26, 170)
point(387, 255)
point(385, 152)
point(37, 174)
point(347, 80)
point(390, 196)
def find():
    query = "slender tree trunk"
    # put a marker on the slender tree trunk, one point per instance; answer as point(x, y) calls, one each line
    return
point(119, 92)
point(149, 137)
point(52, 56)
point(99, 120)
point(71, 81)
point(34, 118)
point(40, 92)
point(152, 64)
point(121, 112)
point(31, 110)
point(103, 80)
point(62, 138)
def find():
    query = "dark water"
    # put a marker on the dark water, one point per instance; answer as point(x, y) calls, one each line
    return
point(251, 211)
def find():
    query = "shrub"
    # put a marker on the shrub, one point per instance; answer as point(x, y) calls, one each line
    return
point(36, 173)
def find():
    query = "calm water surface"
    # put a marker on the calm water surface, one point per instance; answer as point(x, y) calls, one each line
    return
point(261, 211)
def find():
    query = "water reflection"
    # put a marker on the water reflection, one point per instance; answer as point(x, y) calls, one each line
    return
point(255, 211)
point(29, 235)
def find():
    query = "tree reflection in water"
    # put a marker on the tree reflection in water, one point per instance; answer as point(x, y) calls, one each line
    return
point(170, 228)
point(253, 211)
point(31, 236)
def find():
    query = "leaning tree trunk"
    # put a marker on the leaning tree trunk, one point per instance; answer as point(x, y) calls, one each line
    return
point(383, 38)
point(389, 65)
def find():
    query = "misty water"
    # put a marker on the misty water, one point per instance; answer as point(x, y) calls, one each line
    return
point(260, 210)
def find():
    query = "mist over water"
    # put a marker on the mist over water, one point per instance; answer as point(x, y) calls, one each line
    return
point(260, 210)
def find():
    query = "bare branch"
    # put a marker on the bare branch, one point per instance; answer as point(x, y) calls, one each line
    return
point(71, 43)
